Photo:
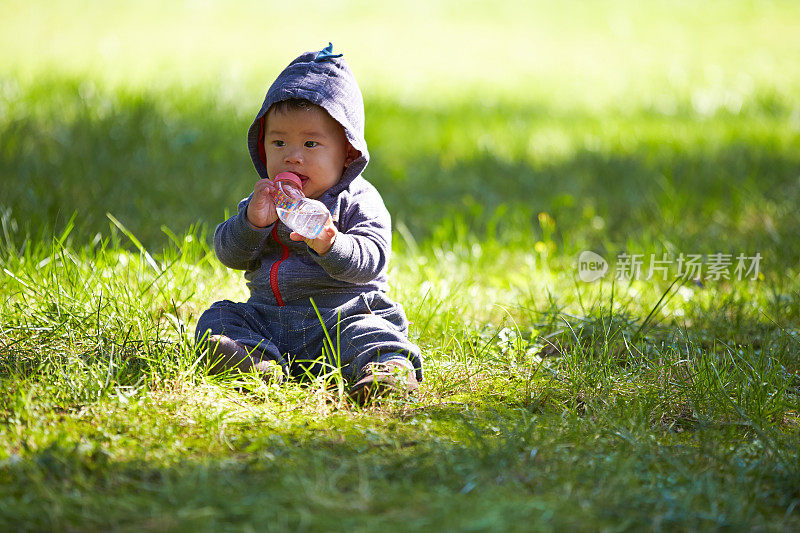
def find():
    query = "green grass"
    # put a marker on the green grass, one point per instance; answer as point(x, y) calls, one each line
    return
point(549, 403)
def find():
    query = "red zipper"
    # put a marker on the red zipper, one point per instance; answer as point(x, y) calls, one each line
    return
point(273, 271)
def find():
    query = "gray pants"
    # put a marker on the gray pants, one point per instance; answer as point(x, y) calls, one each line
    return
point(368, 328)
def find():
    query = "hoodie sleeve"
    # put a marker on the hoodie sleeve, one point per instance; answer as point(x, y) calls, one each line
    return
point(237, 243)
point(362, 248)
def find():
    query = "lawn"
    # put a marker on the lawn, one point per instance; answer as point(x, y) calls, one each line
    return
point(506, 140)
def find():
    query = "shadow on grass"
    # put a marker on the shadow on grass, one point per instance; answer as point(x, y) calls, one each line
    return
point(179, 159)
point(516, 472)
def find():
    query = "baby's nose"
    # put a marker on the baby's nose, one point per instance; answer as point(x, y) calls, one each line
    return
point(294, 155)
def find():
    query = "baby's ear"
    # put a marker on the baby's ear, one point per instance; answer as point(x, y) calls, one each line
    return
point(352, 155)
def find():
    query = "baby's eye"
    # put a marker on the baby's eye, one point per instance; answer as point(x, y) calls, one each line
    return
point(311, 144)
point(278, 143)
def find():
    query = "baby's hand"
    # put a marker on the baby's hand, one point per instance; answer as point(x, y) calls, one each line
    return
point(324, 240)
point(261, 209)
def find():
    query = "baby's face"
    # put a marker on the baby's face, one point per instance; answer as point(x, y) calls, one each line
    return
point(309, 143)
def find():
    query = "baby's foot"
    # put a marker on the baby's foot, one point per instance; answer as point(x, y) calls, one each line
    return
point(270, 371)
point(225, 354)
point(379, 379)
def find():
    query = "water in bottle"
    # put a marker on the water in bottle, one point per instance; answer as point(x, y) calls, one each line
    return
point(303, 215)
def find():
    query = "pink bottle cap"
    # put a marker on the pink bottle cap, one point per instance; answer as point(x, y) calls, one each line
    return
point(291, 177)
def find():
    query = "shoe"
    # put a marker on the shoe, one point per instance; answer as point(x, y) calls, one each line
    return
point(380, 379)
point(225, 354)
point(270, 372)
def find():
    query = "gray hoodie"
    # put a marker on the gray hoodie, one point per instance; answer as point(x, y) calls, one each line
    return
point(280, 271)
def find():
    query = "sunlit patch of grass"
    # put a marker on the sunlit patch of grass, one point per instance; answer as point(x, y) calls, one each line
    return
point(564, 386)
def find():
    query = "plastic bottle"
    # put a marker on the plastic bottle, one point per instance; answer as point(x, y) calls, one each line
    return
point(303, 215)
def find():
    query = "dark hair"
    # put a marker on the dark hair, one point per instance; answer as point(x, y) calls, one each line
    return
point(292, 104)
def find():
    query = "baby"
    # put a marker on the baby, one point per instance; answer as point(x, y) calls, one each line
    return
point(312, 124)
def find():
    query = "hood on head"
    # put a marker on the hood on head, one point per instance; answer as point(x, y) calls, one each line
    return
point(326, 80)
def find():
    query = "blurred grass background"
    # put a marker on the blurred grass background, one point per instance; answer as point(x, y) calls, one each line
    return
point(660, 125)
